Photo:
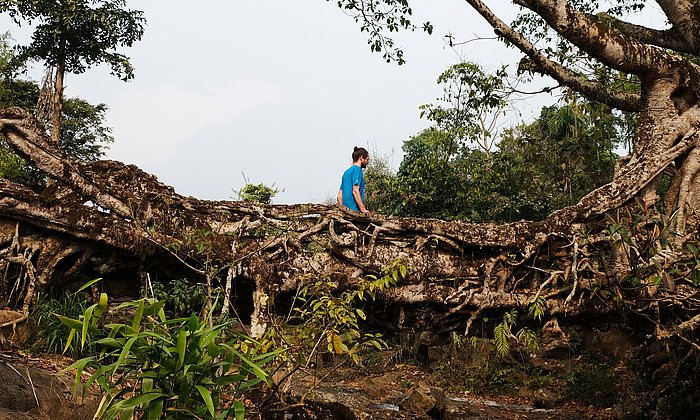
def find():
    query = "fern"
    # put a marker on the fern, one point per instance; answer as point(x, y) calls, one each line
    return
point(501, 335)
point(529, 339)
point(537, 307)
point(503, 332)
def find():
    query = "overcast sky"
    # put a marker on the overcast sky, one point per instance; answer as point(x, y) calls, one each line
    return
point(278, 90)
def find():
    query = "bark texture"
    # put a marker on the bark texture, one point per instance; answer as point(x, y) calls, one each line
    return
point(111, 220)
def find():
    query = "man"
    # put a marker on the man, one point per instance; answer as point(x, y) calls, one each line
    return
point(352, 185)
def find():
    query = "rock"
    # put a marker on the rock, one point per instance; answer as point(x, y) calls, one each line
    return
point(438, 411)
point(544, 398)
point(419, 401)
point(47, 396)
point(663, 374)
point(658, 358)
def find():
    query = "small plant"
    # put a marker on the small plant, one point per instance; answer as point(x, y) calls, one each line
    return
point(181, 297)
point(503, 333)
point(592, 386)
point(256, 193)
point(49, 333)
point(152, 367)
point(324, 319)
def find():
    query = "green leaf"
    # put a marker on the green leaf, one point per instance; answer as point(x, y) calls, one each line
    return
point(86, 324)
point(181, 347)
point(155, 409)
point(361, 314)
point(147, 384)
point(137, 316)
point(153, 308)
point(71, 334)
point(88, 284)
point(207, 398)
point(239, 410)
point(79, 366)
point(110, 342)
point(124, 353)
point(138, 400)
point(250, 364)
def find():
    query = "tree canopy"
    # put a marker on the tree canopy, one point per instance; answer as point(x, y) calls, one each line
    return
point(74, 35)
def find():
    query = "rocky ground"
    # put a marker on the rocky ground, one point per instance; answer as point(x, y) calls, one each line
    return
point(599, 375)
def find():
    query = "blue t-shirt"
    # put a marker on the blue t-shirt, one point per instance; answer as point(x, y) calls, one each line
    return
point(352, 176)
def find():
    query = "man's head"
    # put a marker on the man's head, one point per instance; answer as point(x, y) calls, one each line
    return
point(360, 155)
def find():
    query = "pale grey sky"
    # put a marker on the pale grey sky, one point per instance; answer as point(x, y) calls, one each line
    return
point(279, 90)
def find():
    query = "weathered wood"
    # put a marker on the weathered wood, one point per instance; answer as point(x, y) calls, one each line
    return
point(106, 218)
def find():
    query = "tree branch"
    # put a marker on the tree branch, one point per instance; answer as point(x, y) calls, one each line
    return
point(620, 100)
point(684, 15)
point(608, 45)
point(668, 39)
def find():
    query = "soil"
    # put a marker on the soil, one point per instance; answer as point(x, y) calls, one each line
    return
point(35, 388)
point(409, 392)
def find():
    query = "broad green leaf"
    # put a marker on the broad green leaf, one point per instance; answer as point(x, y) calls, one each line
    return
point(110, 342)
point(181, 348)
point(70, 322)
point(147, 384)
point(123, 354)
point(153, 308)
point(207, 398)
point(96, 375)
point(138, 400)
point(239, 410)
point(79, 366)
point(250, 364)
point(155, 409)
point(138, 315)
point(71, 334)
point(86, 324)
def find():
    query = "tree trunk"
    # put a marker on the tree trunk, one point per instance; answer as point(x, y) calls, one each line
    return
point(57, 102)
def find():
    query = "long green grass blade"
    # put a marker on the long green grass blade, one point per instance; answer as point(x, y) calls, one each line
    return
point(88, 284)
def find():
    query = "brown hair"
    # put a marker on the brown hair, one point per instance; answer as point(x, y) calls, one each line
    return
point(359, 152)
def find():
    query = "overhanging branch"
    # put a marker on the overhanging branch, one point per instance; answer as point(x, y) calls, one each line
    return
point(621, 100)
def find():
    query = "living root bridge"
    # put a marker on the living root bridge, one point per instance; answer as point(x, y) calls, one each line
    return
point(110, 220)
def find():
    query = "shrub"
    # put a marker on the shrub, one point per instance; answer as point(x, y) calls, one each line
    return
point(178, 368)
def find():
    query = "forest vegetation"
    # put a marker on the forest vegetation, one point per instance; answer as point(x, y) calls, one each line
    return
point(520, 240)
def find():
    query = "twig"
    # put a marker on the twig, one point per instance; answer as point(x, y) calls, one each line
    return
point(29, 382)
point(32, 384)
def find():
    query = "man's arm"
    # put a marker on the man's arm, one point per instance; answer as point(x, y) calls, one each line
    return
point(340, 197)
point(358, 198)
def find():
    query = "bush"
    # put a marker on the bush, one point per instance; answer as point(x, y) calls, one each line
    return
point(178, 368)
point(594, 386)
point(181, 297)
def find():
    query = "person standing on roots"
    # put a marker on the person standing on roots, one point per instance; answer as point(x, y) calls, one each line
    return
point(352, 185)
